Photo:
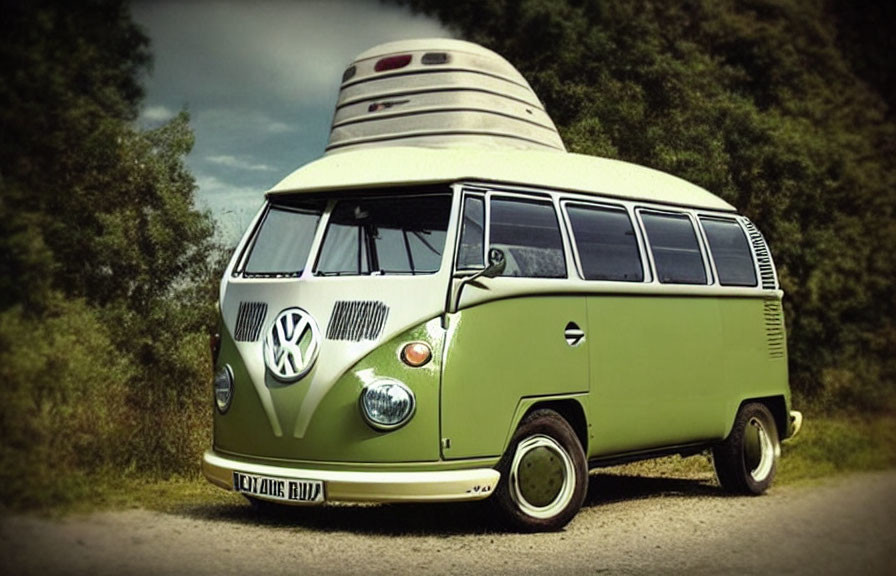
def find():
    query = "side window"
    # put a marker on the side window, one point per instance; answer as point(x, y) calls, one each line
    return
point(730, 252)
point(674, 246)
point(472, 234)
point(529, 234)
point(606, 243)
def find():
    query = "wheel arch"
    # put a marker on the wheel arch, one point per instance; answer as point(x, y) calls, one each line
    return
point(570, 408)
point(777, 405)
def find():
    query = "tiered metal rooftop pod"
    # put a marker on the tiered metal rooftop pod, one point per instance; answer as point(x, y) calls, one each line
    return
point(438, 93)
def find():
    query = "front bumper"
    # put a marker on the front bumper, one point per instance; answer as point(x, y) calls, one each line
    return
point(796, 423)
point(366, 486)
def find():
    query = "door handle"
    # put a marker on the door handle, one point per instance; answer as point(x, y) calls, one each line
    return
point(573, 334)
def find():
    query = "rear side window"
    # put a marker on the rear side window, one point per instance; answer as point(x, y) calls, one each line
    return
point(676, 252)
point(529, 234)
point(606, 243)
point(730, 252)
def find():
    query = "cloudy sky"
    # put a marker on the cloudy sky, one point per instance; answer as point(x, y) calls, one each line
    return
point(260, 81)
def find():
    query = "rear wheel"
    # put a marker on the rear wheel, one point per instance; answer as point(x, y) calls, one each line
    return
point(746, 461)
point(544, 474)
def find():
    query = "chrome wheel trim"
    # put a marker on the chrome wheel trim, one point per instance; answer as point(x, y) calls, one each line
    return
point(567, 488)
point(759, 450)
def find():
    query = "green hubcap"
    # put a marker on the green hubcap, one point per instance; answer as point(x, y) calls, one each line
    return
point(540, 476)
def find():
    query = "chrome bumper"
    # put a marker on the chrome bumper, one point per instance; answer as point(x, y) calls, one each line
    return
point(796, 422)
point(343, 486)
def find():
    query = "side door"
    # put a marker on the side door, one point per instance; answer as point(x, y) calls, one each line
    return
point(655, 337)
point(518, 335)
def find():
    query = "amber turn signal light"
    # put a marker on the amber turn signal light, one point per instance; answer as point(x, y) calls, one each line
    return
point(416, 354)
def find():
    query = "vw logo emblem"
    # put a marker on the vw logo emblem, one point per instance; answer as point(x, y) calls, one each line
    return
point(291, 345)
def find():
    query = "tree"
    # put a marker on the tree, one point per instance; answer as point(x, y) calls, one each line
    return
point(103, 257)
point(102, 210)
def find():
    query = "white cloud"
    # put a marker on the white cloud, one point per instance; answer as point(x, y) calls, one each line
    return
point(221, 196)
point(156, 114)
point(232, 206)
point(278, 128)
point(238, 163)
point(272, 51)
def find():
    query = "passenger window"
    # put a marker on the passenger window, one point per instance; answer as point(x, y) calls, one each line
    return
point(730, 252)
point(472, 233)
point(675, 250)
point(529, 234)
point(605, 240)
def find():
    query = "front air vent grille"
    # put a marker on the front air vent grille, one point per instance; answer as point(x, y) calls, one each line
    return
point(763, 257)
point(774, 329)
point(358, 320)
point(249, 319)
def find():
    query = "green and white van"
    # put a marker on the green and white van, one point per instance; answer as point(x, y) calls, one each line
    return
point(449, 306)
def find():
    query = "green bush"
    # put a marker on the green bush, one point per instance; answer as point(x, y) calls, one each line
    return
point(76, 408)
point(63, 406)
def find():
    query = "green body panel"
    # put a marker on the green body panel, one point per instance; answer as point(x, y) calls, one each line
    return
point(670, 371)
point(337, 431)
point(498, 353)
point(653, 371)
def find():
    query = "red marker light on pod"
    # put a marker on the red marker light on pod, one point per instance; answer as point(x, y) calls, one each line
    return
point(392, 63)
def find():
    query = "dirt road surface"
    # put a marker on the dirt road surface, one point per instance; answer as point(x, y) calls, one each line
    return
point(629, 525)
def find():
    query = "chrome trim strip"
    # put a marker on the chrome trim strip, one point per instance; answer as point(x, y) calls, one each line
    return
point(447, 485)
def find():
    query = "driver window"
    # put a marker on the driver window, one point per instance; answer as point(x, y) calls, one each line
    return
point(528, 233)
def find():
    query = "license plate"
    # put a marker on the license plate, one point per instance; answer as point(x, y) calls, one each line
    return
point(282, 489)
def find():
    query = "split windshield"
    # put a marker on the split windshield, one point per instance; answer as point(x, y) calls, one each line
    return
point(283, 240)
point(385, 236)
point(364, 236)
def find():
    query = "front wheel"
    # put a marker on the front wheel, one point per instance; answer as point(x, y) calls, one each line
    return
point(745, 462)
point(544, 474)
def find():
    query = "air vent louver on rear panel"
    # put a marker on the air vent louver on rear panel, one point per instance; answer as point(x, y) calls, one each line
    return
point(249, 319)
point(357, 320)
point(774, 328)
point(763, 256)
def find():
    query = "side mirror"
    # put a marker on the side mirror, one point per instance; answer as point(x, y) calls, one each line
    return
point(496, 264)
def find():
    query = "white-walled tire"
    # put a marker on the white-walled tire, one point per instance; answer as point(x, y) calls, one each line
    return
point(746, 461)
point(544, 474)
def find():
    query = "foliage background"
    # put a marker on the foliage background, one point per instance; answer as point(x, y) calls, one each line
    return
point(108, 274)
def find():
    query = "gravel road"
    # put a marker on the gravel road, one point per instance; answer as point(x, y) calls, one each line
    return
point(629, 525)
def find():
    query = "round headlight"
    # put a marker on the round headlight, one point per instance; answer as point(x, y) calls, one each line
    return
point(387, 404)
point(223, 388)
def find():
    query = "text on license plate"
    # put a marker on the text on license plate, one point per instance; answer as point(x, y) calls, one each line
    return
point(284, 489)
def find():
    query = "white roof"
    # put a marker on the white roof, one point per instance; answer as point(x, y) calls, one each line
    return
point(414, 166)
